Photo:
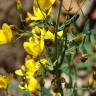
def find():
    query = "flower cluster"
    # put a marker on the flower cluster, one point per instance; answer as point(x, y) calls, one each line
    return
point(5, 80)
point(35, 46)
point(5, 34)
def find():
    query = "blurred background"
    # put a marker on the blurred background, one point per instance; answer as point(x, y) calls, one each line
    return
point(8, 10)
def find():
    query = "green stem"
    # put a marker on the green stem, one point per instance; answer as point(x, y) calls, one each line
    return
point(56, 50)
point(68, 22)
point(61, 58)
point(57, 24)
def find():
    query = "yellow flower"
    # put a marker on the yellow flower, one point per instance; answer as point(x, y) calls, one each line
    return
point(58, 94)
point(43, 4)
point(60, 33)
point(23, 85)
point(31, 67)
point(41, 9)
point(49, 35)
point(43, 33)
point(90, 80)
point(5, 34)
point(5, 80)
point(36, 31)
point(34, 47)
point(38, 14)
point(33, 84)
point(19, 72)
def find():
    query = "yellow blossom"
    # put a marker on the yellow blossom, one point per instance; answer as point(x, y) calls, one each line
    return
point(43, 33)
point(36, 31)
point(23, 85)
point(5, 80)
point(46, 34)
point(44, 4)
point(49, 35)
point(90, 80)
point(33, 84)
point(31, 68)
point(19, 72)
point(60, 33)
point(34, 47)
point(41, 10)
point(58, 94)
point(38, 14)
point(5, 34)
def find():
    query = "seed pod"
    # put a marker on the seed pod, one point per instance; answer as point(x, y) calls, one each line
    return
point(84, 57)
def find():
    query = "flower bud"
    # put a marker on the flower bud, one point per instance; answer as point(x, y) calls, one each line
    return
point(78, 39)
point(19, 4)
point(90, 81)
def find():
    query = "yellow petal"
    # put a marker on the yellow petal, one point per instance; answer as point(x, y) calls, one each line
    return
point(5, 80)
point(60, 33)
point(7, 32)
point(19, 72)
point(33, 84)
point(34, 47)
point(22, 86)
point(38, 15)
point(43, 4)
point(31, 17)
point(52, 1)
point(2, 37)
point(41, 45)
point(27, 48)
point(49, 35)
point(31, 67)
point(58, 94)
point(90, 81)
